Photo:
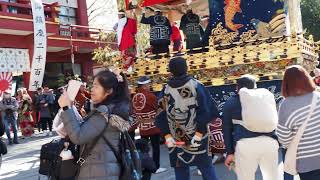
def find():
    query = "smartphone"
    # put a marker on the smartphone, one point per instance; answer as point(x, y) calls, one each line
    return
point(73, 89)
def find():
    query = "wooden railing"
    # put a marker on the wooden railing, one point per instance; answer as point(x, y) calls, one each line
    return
point(73, 32)
point(84, 32)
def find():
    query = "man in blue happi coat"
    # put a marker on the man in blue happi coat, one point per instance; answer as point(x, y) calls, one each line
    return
point(187, 109)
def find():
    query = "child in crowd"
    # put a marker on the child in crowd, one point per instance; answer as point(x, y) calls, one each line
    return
point(147, 163)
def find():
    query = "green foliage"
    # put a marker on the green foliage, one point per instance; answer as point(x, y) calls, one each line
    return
point(106, 55)
point(121, 4)
point(310, 11)
point(142, 37)
point(63, 80)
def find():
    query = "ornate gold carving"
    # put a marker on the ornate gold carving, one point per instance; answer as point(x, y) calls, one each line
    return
point(226, 62)
point(221, 35)
point(249, 35)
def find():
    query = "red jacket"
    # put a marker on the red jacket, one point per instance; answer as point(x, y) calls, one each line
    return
point(144, 105)
point(128, 34)
point(175, 33)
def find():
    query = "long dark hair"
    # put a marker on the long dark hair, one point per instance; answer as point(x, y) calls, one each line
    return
point(108, 80)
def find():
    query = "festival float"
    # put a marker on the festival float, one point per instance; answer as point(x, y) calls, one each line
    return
point(258, 37)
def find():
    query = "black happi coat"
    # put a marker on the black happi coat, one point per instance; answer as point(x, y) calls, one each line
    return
point(191, 28)
point(187, 108)
point(160, 29)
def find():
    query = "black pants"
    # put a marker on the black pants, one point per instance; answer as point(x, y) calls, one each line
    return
point(38, 121)
point(160, 48)
point(312, 175)
point(44, 122)
point(146, 175)
point(132, 135)
point(155, 143)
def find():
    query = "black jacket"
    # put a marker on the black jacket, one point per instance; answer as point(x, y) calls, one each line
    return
point(192, 30)
point(2, 128)
point(160, 29)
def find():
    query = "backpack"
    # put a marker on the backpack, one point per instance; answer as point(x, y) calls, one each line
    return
point(259, 110)
point(49, 156)
point(52, 165)
point(127, 156)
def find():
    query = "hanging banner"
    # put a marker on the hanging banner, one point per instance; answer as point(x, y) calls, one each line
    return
point(40, 46)
point(5, 82)
point(14, 60)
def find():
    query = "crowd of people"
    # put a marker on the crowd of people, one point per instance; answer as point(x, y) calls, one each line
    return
point(25, 113)
point(180, 114)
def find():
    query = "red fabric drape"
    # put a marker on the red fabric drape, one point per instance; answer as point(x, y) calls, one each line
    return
point(153, 2)
point(147, 2)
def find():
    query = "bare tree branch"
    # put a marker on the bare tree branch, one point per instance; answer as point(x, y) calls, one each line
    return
point(95, 10)
point(100, 7)
point(92, 4)
point(92, 18)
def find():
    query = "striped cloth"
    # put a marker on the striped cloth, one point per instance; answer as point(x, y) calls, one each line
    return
point(292, 113)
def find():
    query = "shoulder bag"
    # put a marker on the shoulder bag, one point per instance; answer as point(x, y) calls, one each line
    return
point(290, 161)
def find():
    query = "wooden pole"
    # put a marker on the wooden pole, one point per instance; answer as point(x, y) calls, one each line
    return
point(295, 18)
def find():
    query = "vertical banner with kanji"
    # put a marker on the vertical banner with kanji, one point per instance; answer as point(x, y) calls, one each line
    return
point(40, 46)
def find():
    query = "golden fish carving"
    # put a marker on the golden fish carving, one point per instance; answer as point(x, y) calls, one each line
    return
point(232, 7)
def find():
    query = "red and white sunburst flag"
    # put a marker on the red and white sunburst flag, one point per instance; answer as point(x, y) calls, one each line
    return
point(5, 81)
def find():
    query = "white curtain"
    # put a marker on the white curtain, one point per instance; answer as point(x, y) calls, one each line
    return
point(14, 60)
